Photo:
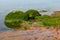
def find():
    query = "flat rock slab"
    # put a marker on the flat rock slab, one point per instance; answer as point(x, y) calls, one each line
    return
point(29, 35)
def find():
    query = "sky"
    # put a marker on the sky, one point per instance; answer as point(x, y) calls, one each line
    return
point(8, 5)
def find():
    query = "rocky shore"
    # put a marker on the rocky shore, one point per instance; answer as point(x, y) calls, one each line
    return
point(30, 35)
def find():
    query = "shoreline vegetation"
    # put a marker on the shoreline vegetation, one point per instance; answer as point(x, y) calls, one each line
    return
point(32, 19)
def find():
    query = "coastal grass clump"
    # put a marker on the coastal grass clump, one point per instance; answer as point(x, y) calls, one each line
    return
point(15, 18)
point(49, 21)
